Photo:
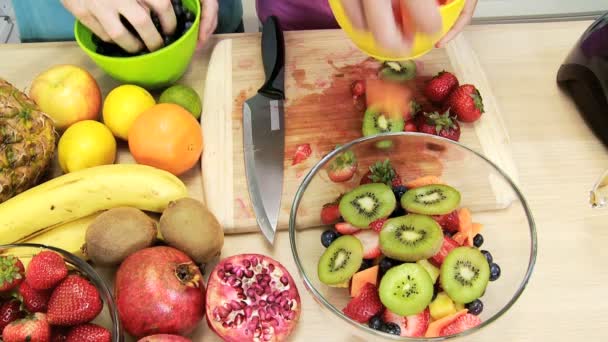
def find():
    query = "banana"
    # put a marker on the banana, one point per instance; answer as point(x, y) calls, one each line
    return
point(69, 236)
point(82, 193)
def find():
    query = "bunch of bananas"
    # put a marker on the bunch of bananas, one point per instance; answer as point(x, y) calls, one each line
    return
point(58, 212)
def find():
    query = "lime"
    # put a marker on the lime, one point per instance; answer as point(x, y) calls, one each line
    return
point(184, 96)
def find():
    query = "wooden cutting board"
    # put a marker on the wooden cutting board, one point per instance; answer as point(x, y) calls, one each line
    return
point(320, 111)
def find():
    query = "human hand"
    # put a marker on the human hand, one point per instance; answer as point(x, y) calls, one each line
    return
point(209, 9)
point(463, 20)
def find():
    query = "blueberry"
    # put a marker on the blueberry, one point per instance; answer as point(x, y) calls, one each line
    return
point(176, 2)
point(376, 322)
point(494, 271)
point(399, 191)
point(478, 240)
point(391, 328)
point(179, 11)
point(328, 237)
point(189, 16)
point(488, 256)
point(436, 291)
point(168, 40)
point(96, 40)
point(387, 263)
point(187, 25)
point(366, 263)
point(448, 233)
point(475, 307)
point(398, 212)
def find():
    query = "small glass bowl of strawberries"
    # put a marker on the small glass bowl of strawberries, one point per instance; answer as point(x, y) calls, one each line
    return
point(424, 240)
point(49, 294)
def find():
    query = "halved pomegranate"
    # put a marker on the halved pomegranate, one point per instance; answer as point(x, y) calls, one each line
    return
point(252, 297)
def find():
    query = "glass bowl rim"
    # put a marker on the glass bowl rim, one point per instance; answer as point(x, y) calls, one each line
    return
point(90, 271)
point(320, 298)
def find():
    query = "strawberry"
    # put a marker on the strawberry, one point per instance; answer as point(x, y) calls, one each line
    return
point(440, 124)
point(343, 167)
point(364, 306)
point(449, 222)
point(466, 103)
point(357, 88)
point(9, 312)
point(330, 213)
point(410, 126)
point(34, 300)
point(461, 324)
point(46, 270)
point(89, 333)
point(438, 88)
point(32, 328)
point(382, 172)
point(11, 272)
point(346, 228)
point(411, 326)
point(377, 225)
point(74, 301)
point(303, 151)
point(448, 245)
point(371, 243)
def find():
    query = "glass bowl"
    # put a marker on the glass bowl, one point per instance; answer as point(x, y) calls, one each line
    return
point(493, 198)
point(108, 317)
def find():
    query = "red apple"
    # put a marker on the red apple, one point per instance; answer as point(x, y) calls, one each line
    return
point(68, 94)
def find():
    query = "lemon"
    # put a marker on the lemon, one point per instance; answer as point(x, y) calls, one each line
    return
point(123, 105)
point(184, 96)
point(86, 144)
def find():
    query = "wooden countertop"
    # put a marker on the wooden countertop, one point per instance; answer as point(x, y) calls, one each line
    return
point(557, 157)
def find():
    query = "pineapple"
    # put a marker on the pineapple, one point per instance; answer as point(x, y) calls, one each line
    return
point(27, 142)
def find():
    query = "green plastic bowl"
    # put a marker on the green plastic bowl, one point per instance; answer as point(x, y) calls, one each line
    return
point(158, 69)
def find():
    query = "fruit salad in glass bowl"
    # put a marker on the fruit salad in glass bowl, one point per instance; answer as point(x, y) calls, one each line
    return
point(428, 240)
point(52, 295)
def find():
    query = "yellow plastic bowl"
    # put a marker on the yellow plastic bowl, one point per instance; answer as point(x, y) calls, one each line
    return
point(423, 43)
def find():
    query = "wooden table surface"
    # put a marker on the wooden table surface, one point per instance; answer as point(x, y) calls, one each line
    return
point(557, 157)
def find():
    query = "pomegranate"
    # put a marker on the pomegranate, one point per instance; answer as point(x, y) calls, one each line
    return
point(251, 297)
point(164, 338)
point(159, 290)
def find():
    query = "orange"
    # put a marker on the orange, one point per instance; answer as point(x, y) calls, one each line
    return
point(166, 136)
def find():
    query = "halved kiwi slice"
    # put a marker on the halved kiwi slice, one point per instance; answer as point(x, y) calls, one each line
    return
point(340, 260)
point(398, 71)
point(406, 289)
point(435, 199)
point(465, 273)
point(367, 203)
point(411, 237)
point(376, 121)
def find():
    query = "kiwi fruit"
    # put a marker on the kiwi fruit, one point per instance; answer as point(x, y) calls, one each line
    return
point(189, 226)
point(117, 233)
point(376, 121)
point(398, 71)
point(411, 237)
point(367, 203)
point(340, 260)
point(434, 199)
point(406, 289)
point(465, 273)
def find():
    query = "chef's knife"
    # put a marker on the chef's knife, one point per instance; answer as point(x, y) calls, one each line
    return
point(264, 133)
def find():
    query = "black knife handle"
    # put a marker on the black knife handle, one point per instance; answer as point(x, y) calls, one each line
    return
point(273, 57)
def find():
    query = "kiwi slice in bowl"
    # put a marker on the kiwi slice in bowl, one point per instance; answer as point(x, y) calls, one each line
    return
point(406, 289)
point(464, 274)
point(367, 203)
point(398, 71)
point(434, 199)
point(411, 237)
point(340, 260)
point(376, 121)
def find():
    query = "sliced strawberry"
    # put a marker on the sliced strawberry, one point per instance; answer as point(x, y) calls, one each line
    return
point(346, 228)
point(364, 306)
point(410, 126)
point(449, 222)
point(448, 245)
point(371, 243)
point(411, 326)
point(330, 213)
point(343, 167)
point(303, 151)
point(357, 88)
point(367, 178)
point(377, 225)
point(462, 323)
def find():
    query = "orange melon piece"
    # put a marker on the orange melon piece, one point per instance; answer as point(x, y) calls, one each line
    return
point(423, 181)
point(389, 97)
point(435, 327)
point(359, 280)
point(461, 238)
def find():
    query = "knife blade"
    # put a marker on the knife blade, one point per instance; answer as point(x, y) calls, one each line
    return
point(264, 133)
